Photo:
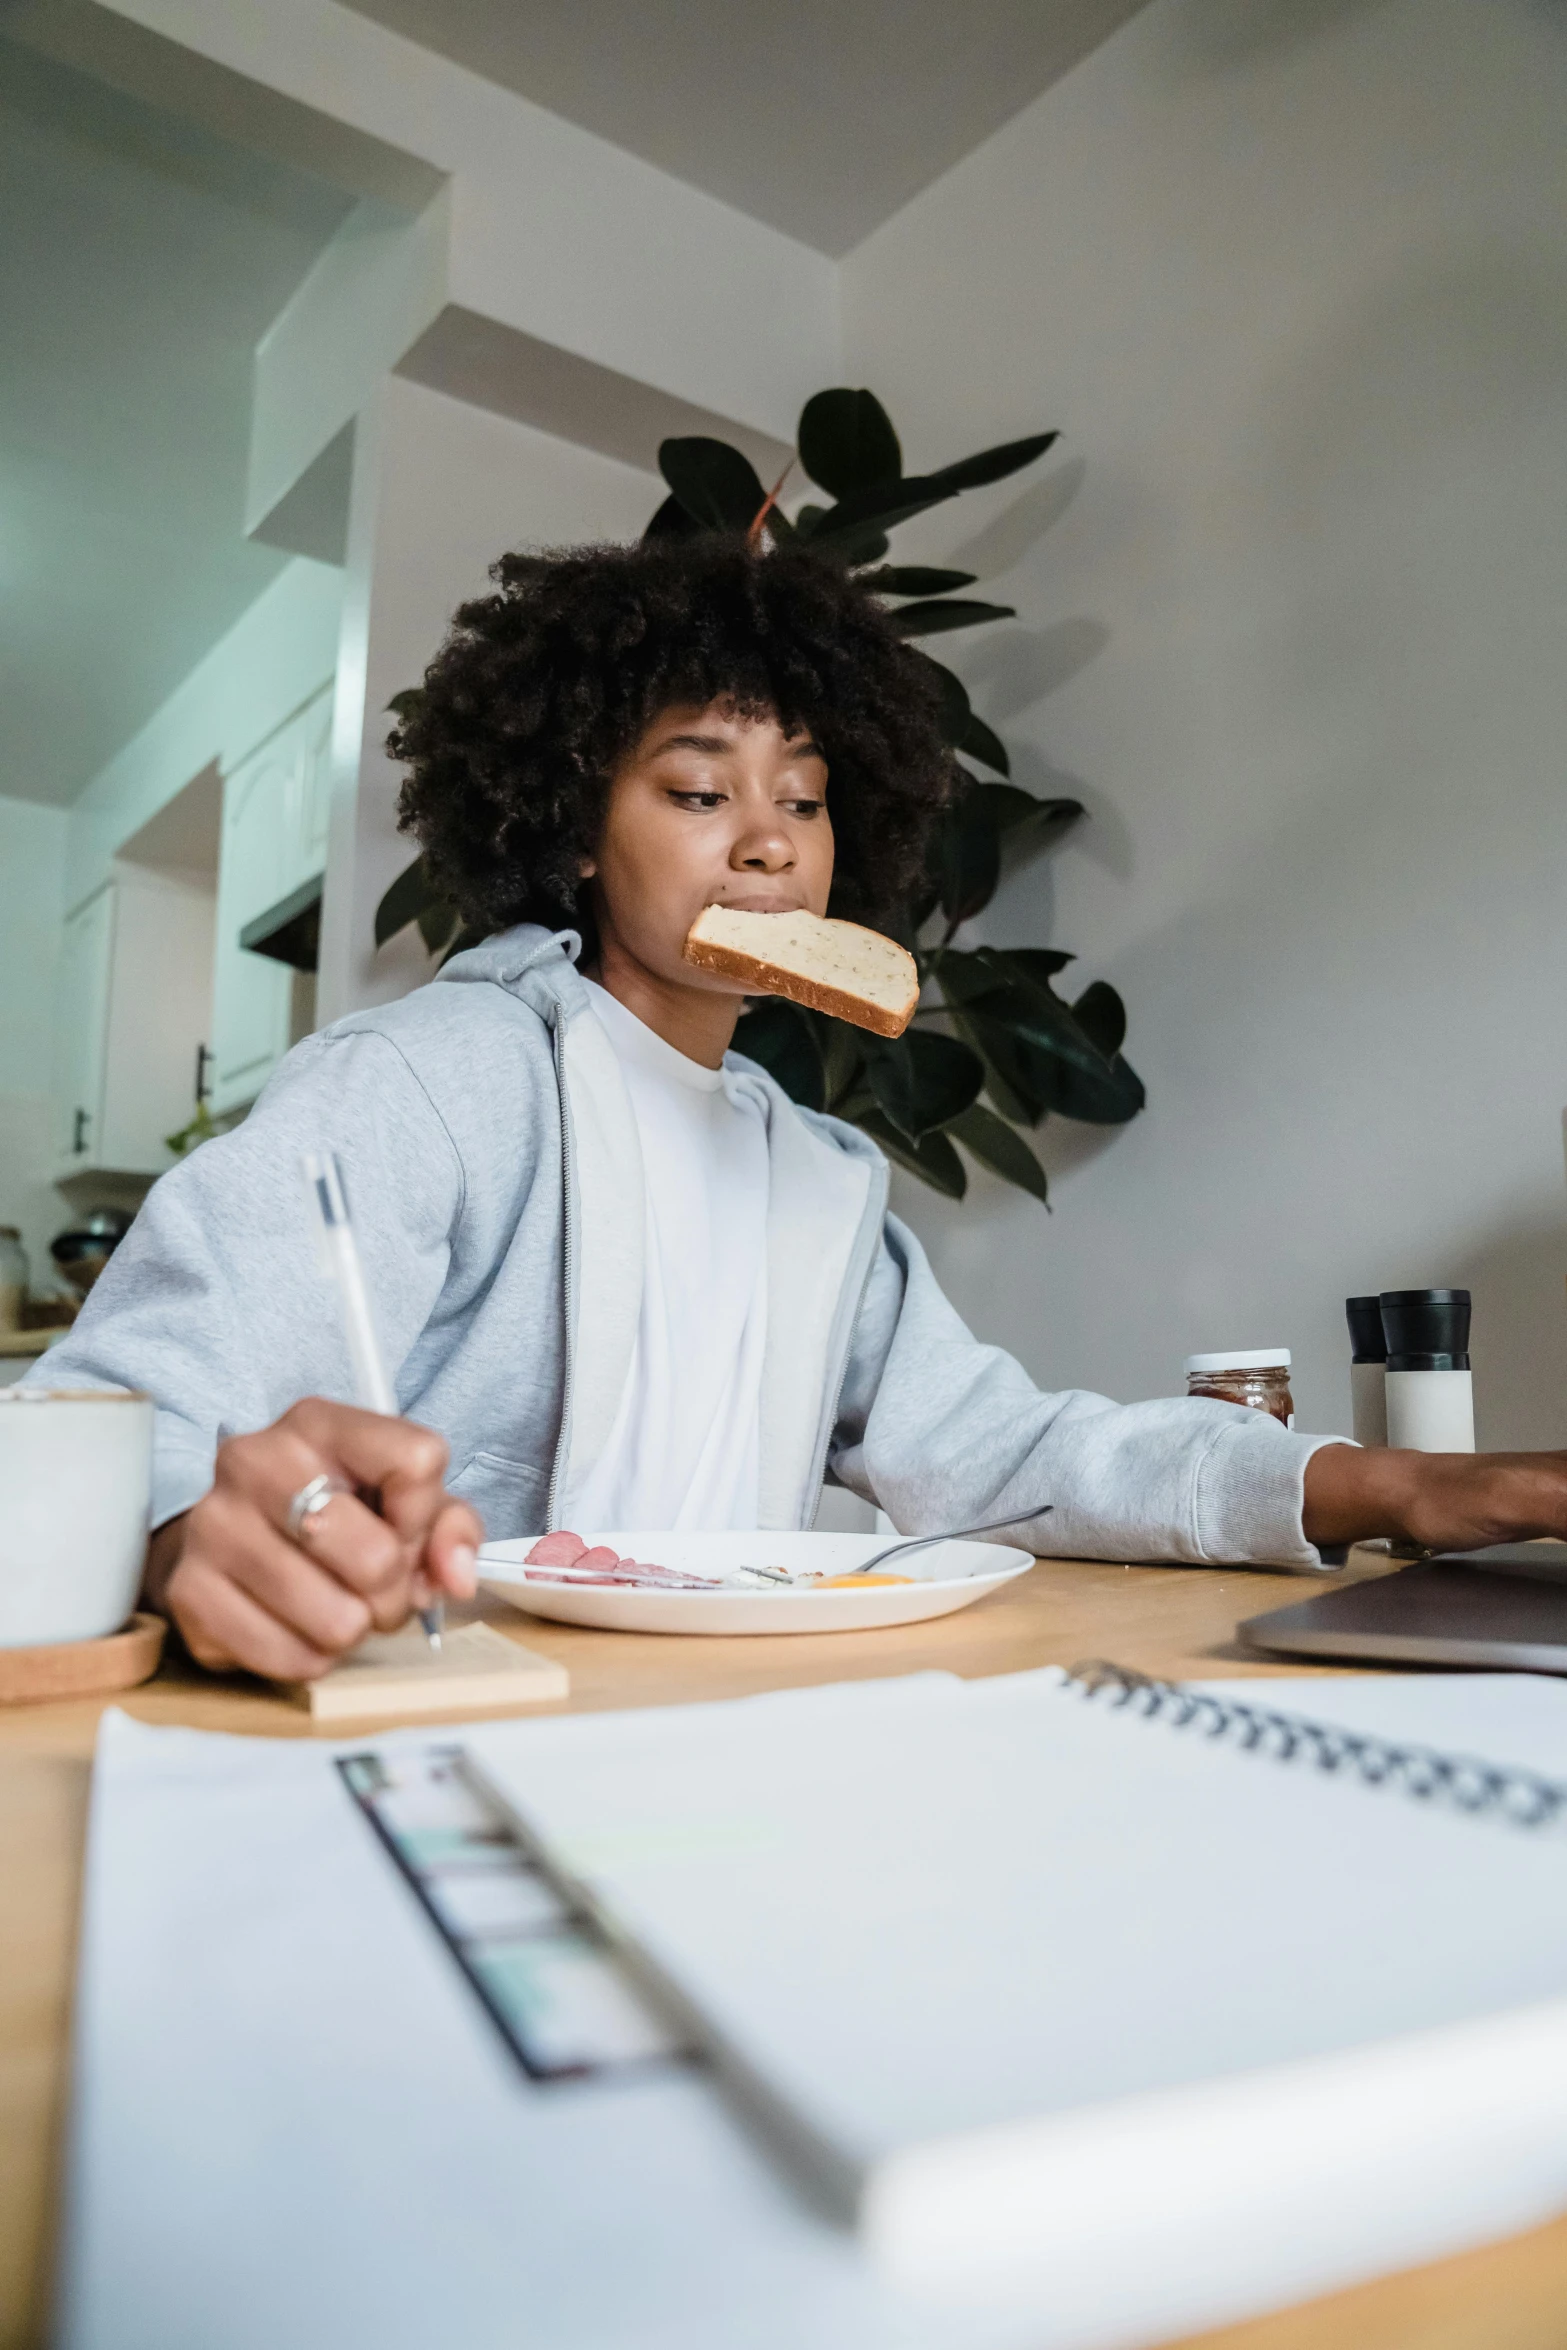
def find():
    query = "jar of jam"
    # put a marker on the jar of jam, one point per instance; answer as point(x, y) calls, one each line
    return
point(1257, 1376)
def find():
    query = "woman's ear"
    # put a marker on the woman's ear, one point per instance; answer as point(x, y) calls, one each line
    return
point(586, 868)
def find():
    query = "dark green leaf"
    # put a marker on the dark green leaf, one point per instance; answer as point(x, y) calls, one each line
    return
point(1039, 964)
point(972, 473)
point(1009, 1079)
point(932, 1158)
point(968, 858)
point(1026, 822)
point(891, 502)
point(916, 579)
point(881, 509)
point(718, 487)
point(843, 1057)
point(779, 1036)
point(965, 975)
point(980, 743)
point(1106, 1097)
point(471, 934)
point(1037, 1019)
point(672, 522)
point(438, 925)
point(866, 543)
point(1044, 824)
point(968, 973)
point(1008, 804)
point(1037, 1055)
point(955, 711)
point(1019, 1109)
point(1101, 1015)
point(922, 1079)
point(1032, 1006)
point(1001, 1148)
point(404, 902)
point(856, 1106)
point(933, 615)
point(846, 442)
point(1036, 1042)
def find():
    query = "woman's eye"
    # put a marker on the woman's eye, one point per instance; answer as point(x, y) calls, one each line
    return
point(807, 807)
point(698, 799)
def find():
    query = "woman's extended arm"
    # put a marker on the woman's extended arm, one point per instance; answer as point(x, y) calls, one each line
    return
point(1443, 1500)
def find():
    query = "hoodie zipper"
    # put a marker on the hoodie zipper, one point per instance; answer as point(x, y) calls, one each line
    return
point(870, 1227)
point(568, 1270)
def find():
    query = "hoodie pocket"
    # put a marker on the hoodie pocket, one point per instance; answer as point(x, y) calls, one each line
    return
point(512, 1497)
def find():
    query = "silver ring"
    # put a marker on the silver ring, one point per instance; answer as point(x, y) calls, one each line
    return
point(310, 1501)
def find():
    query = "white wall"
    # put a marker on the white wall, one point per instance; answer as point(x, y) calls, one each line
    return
point(440, 490)
point(271, 660)
point(1293, 278)
point(32, 901)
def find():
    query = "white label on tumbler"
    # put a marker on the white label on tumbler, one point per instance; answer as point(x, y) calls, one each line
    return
point(1431, 1411)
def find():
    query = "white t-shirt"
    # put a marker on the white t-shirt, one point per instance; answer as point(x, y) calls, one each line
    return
point(683, 1450)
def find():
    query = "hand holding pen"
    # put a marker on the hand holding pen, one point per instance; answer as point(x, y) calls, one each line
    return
point(281, 1567)
point(373, 1390)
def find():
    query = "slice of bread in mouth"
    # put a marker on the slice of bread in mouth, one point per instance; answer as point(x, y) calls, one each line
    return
point(835, 967)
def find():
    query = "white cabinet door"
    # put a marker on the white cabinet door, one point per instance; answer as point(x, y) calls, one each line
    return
point(250, 993)
point(160, 1010)
point(275, 811)
point(86, 956)
point(135, 1001)
point(315, 793)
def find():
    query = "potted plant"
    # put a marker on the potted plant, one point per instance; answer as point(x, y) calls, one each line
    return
point(993, 1049)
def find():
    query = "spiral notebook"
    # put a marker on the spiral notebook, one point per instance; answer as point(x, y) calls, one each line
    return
point(1021, 1974)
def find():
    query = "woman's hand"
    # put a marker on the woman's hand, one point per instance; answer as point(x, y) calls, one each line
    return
point(1442, 1500)
point(244, 1592)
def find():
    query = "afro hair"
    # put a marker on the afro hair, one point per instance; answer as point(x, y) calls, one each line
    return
point(543, 687)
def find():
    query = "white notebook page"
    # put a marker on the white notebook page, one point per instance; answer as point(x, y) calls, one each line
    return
point(935, 1921)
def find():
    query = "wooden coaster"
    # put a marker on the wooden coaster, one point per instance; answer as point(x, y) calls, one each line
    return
point(475, 1670)
point(82, 1668)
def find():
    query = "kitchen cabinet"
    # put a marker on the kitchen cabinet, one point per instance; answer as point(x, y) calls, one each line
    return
point(276, 802)
point(135, 1004)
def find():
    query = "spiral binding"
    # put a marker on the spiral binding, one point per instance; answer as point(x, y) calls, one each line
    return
point(1483, 1790)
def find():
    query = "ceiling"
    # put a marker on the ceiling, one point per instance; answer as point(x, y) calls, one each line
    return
point(140, 259)
point(819, 116)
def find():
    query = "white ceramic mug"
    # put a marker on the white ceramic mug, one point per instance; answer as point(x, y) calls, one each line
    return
point(75, 1482)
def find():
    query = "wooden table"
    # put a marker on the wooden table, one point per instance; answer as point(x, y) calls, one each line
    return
point(1176, 1622)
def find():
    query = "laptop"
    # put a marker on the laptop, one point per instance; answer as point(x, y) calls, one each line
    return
point(1502, 1609)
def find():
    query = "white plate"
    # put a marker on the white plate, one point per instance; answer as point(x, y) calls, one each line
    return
point(944, 1578)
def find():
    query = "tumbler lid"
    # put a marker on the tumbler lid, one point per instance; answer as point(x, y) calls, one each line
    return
point(1366, 1341)
point(1426, 1329)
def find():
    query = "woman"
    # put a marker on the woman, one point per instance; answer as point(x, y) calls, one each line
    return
point(623, 1280)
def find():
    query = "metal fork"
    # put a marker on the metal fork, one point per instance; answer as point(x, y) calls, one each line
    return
point(958, 1534)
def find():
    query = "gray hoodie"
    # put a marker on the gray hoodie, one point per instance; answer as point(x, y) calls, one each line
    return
point(495, 1179)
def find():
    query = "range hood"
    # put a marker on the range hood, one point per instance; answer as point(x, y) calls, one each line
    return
point(290, 931)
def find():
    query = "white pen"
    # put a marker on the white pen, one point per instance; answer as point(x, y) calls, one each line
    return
point(373, 1390)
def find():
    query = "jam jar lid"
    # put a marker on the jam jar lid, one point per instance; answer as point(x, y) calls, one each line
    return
point(1255, 1358)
